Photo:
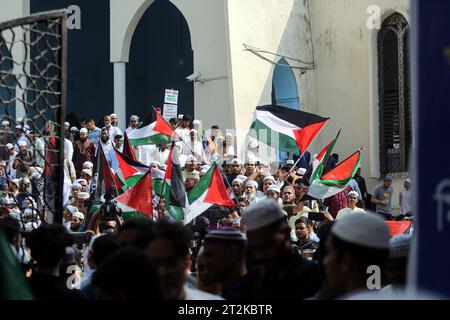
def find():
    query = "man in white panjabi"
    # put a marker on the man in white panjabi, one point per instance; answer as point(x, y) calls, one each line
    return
point(352, 200)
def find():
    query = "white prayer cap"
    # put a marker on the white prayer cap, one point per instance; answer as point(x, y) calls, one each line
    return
point(83, 195)
point(252, 183)
point(290, 161)
point(353, 193)
point(365, 230)
point(66, 124)
point(76, 185)
point(269, 178)
point(81, 181)
point(24, 181)
point(2, 163)
point(237, 180)
point(5, 123)
point(180, 116)
point(78, 215)
point(22, 143)
point(9, 146)
point(88, 164)
point(227, 234)
point(250, 160)
point(83, 130)
point(253, 144)
point(203, 172)
point(134, 117)
point(155, 162)
point(262, 213)
point(113, 115)
point(26, 127)
point(191, 158)
point(15, 181)
point(19, 119)
point(30, 226)
point(196, 121)
point(275, 188)
point(71, 208)
point(242, 177)
point(229, 135)
point(399, 246)
point(87, 171)
point(408, 180)
point(74, 128)
point(301, 171)
point(236, 161)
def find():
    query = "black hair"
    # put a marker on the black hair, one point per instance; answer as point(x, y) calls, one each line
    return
point(103, 247)
point(363, 256)
point(130, 274)
point(144, 228)
point(10, 226)
point(215, 127)
point(178, 235)
point(303, 220)
point(286, 167)
point(47, 244)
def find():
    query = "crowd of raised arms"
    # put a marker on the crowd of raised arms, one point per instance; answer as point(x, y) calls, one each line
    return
point(277, 242)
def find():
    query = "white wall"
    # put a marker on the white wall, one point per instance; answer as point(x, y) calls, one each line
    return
point(275, 26)
point(12, 9)
point(346, 77)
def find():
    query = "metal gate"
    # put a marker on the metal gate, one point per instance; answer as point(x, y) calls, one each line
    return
point(33, 53)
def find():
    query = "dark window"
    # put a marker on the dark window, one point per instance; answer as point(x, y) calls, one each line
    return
point(394, 95)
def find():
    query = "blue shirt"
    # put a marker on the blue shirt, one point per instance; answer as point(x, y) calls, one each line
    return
point(94, 136)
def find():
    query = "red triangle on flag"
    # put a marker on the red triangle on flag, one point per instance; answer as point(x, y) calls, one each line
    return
point(217, 193)
point(127, 148)
point(304, 136)
point(343, 170)
point(162, 126)
point(139, 197)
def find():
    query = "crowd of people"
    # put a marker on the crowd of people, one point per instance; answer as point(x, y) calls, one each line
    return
point(276, 243)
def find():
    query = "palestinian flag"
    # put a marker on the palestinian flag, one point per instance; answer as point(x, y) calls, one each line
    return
point(335, 180)
point(209, 191)
point(320, 161)
point(138, 199)
point(127, 148)
point(13, 285)
point(157, 132)
point(176, 200)
point(295, 129)
point(130, 171)
point(104, 180)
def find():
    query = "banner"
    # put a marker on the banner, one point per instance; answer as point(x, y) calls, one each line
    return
point(431, 114)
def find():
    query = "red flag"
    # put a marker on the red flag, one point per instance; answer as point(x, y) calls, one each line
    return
point(139, 197)
point(127, 148)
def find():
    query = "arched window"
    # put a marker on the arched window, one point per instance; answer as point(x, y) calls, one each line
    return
point(284, 86)
point(394, 95)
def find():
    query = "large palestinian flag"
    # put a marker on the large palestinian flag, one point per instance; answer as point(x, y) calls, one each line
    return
point(336, 180)
point(130, 171)
point(295, 129)
point(319, 163)
point(209, 191)
point(138, 199)
point(176, 201)
point(157, 132)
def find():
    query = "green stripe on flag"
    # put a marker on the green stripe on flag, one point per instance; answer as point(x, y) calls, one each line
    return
point(153, 139)
point(263, 133)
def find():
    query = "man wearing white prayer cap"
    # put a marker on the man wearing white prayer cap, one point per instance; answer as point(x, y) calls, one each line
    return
point(77, 222)
point(356, 242)
point(284, 273)
point(88, 165)
point(250, 166)
point(238, 187)
point(352, 201)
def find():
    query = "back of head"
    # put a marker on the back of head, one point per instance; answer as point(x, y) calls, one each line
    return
point(47, 244)
point(136, 232)
point(103, 247)
point(127, 274)
point(178, 235)
point(10, 227)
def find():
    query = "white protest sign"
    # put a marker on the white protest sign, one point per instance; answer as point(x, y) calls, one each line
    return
point(170, 111)
point(171, 96)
